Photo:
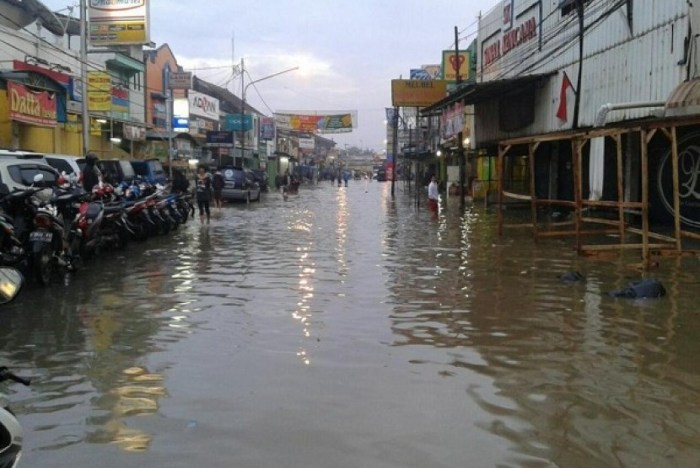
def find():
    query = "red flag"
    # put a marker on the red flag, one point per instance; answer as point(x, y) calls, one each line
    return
point(562, 112)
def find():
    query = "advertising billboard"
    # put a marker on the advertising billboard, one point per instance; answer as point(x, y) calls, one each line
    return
point(118, 22)
point(317, 122)
point(202, 105)
point(417, 93)
point(99, 91)
point(267, 128)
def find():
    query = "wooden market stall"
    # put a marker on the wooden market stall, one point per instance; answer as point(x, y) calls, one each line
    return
point(581, 225)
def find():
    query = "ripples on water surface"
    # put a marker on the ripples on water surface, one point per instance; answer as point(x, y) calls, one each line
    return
point(341, 329)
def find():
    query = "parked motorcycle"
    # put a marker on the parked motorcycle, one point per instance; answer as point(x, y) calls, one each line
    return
point(10, 428)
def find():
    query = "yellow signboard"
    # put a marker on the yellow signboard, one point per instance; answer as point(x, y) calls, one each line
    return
point(452, 62)
point(99, 91)
point(95, 127)
point(417, 93)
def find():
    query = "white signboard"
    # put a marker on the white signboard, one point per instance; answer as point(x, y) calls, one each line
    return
point(202, 105)
point(118, 22)
point(306, 143)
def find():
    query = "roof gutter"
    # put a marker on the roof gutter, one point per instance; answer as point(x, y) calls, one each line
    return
point(605, 109)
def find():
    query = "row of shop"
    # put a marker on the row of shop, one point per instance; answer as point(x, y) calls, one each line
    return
point(134, 110)
point(583, 113)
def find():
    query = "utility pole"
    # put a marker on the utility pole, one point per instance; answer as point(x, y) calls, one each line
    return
point(577, 102)
point(84, 77)
point(460, 135)
point(242, 113)
point(169, 126)
point(394, 149)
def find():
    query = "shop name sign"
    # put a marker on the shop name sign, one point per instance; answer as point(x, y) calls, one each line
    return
point(510, 40)
point(203, 106)
point(417, 93)
point(119, 22)
point(33, 107)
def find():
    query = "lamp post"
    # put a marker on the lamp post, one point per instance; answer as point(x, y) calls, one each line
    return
point(245, 89)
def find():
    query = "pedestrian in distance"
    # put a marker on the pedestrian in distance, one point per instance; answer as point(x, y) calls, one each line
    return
point(218, 186)
point(433, 195)
point(203, 193)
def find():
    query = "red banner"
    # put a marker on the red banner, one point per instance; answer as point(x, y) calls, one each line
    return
point(33, 107)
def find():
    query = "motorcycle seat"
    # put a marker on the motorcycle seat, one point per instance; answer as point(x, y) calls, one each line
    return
point(111, 209)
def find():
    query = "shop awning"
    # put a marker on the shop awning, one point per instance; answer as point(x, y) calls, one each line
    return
point(684, 100)
point(473, 93)
point(125, 63)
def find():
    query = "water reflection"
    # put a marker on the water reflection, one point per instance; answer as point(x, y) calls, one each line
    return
point(344, 328)
point(579, 379)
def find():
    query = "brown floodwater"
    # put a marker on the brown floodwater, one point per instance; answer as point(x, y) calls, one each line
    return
point(343, 329)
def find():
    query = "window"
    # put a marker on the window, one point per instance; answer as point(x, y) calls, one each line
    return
point(24, 175)
point(569, 6)
point(60, 165)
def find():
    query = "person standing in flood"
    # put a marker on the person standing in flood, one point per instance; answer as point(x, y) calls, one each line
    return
point(203, 193)
point(218, 183)
point(433, 195)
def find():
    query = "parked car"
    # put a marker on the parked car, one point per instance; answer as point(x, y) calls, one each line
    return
point(65, 163)
point(240, 184)
point(21, 154)
point(116, 171)
point(18, 174)
point(151, 170)
point(381, 175)
point(261, 178)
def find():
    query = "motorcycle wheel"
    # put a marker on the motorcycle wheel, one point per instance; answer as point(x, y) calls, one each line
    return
point(43, 265)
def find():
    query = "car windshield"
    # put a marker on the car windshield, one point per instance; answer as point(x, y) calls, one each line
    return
point(233, 174)
point(156, 168)
point(127, 170)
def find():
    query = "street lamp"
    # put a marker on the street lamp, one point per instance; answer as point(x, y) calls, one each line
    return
point(245, 89)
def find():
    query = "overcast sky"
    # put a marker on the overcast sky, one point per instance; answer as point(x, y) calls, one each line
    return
point(347, 51)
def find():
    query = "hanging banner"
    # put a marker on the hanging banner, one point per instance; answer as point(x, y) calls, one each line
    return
point(32, 107)
point(340, 122)
point(118, 22)
point(452, 120)
point(417, 93)
point(99, 91)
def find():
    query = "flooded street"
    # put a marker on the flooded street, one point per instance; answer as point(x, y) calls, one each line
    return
point(342, 329)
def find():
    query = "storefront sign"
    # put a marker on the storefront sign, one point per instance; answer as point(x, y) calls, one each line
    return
point(95, 127)
point(120, 100)
point(417, 93)
point(501, 44)
point(134, 133)
point(200, 126)
point(33, 107)
point(451, 63)
point(180, 80)
point(307, 143)
point(118, 22)
point(267, 128)
point(238, 122)
point(99, 91)
point(202, 105)
point(220, 139)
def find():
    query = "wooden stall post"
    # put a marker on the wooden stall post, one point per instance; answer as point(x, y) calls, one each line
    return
point(676, 191)
point(532, 148)
point(502, 150)
point(620, 187)
point(646, 137)
point(577, 146)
